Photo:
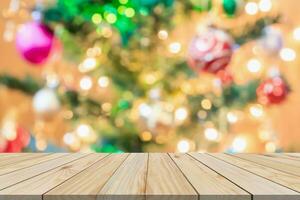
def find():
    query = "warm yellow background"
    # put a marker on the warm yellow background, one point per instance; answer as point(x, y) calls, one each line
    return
point(285, 118)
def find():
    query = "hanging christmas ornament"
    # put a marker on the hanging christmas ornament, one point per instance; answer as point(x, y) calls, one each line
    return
point(232, 7)
point(272, 91)
point(34, 41)
point(225, 77)
point(20, 141)
point(202, 5)
point(210, 51)
point(45, 101)
point(272, 40)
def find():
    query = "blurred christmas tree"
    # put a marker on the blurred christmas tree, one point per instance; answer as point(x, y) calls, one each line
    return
point(159, 86)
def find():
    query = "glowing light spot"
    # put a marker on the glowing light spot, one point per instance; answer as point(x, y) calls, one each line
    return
point(232, 117)
point(296, 33)
point(206, 104)
point(256, 111)
point(287, 54)
point(175, 47)
point(129, 12)
point(265, 5)
point(103, 81)
point(162, 34)
point(86, 83)
point(270, 147)
point(111, 18)
point(69, 138)
point(96, 18)
point(146, 136)
point(239, 144)
point(183, 146)
point(181, 114)
point(145, 110)
point(211, 134)
point(123, 1)
point(87, 65)
point(253, 66)
point(251, 8)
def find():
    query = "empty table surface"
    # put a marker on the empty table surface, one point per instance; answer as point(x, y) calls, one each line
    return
point(153, 176)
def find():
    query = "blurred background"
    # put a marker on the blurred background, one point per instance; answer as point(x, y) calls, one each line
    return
point(149, 76)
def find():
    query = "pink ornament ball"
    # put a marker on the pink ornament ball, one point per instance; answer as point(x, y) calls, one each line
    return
point(210, 51)
point(34, 42)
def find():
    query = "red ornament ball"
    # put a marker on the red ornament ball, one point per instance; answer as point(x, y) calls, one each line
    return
point(210, 51)
point(34, 42)
point(225, 77)
point(272, 91)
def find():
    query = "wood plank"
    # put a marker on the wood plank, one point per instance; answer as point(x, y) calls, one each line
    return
point(285, 179)
point(87, 184)
point(15, 177)
point(165, 180)
point(28, 163)
point(208, 183)
point(286, 165)
point(15, 158)
point(260, 188)
point(35, 187)
point(292, 155)
point(281, 155)
point(129, 181)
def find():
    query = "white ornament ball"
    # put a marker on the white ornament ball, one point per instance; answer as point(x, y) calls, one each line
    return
point(45, 101)
point(272, 41)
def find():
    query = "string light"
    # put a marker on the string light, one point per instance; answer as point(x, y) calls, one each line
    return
point(270, 147)
point(129, 12)
point(296, 33)
point(265, 5)
point(287, 54)
point(106, 106)
point(202, 114)
point(83, 130)
point(41, 144)
point(232, 117)
point(239, 144)
point(145, 110)
point(163, 34)
point(181, 114)
point(87, 65)
point(96, 18)
point(103, 81)
point(123, 1)
point(211, 134)
point(256, 111)
point(175, 47)
point(251, 8)
point(146, 136)
point(69, 138)
point(86, 83)
point(183, 146)
point(206, 104)
point(253, 66)
point(111, 18)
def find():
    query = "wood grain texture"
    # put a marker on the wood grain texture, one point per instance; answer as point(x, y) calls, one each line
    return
point(17, 165)
point(15, 177)
point(282, 164)
point(87, 184)
point(166, 181)
point(15, 158)
point(129, 180)
point(288, 180)
point(34, 188)
point(208, 183)
point(260, 188)
point(153, 176)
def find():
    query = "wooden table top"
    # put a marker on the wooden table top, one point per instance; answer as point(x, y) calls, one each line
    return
point(154, 176)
